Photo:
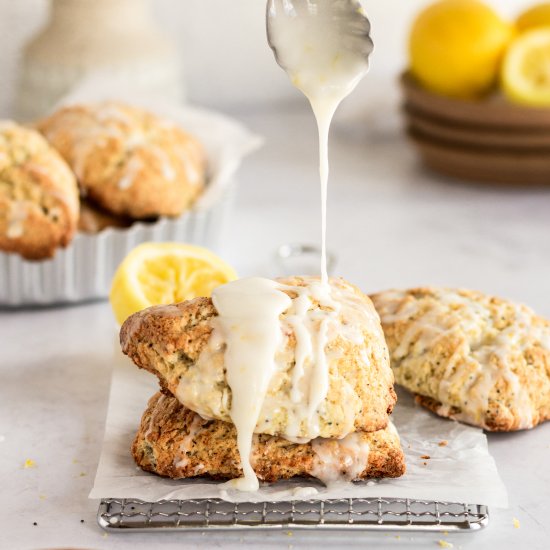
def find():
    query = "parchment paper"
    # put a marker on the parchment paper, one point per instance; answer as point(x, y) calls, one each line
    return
point(461, 471)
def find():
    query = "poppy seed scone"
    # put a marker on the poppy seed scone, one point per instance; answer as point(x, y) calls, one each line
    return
point(468, 356)
point(183, 346)
point(38, 195)
point(127, 160)
point(175, 442)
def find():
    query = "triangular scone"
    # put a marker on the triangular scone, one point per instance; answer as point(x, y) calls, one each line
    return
point(471, 357)
point(174, 441)
point(181, 345)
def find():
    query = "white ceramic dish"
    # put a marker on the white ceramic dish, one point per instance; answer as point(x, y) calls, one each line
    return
point(84, 270)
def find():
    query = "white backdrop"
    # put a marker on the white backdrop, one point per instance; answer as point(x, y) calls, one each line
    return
point(223, 46)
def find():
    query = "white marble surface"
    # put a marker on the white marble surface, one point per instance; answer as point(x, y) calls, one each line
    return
point(391, 224)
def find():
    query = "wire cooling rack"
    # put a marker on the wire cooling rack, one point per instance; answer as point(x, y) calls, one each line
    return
point(383, 514)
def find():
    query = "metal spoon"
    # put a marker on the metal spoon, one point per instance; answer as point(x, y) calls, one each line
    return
point(344, 19)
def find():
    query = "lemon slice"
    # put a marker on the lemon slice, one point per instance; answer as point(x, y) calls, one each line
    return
point(165, 273)
point(526, 69)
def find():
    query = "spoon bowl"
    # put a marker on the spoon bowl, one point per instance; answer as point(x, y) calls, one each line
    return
point(327, 30)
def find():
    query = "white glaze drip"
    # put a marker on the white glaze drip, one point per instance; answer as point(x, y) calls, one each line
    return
point(17, 216)
point(152, 425)
point(248, 317)
point(131, 171)
point(340, 460)
point(166, 167)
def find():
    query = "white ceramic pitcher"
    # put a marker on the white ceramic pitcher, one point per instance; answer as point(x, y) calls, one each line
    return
point(114, 38)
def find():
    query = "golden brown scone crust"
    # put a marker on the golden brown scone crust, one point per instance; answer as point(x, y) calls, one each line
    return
point(38, 195)
point(472, 357)
point(169, 340)
point(94, 219)
point(174, 441)
point(129, 161)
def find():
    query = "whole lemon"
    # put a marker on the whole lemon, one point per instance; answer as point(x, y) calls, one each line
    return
point(456, 47)
point(537, 16)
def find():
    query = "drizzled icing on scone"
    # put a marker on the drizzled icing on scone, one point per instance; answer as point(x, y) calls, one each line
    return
point(317, 316)
point(486, 344)
point(256, 319)
point(176, 442)
point(129, 161)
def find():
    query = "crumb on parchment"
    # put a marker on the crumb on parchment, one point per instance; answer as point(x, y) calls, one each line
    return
point(443, 443)
point(516, 523)
point(445, 544)
point(29, 463)
point(426, 457)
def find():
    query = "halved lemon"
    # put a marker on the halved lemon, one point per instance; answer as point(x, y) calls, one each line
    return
point(525, 72)
point(165, 273)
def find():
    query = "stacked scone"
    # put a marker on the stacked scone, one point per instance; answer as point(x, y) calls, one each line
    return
point(324, 410)
point(128, 163)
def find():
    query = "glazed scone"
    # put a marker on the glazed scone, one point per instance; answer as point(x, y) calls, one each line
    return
point(174, 441)
point(93, 219)
point(129, 161)
point(38, 195)
point(468, 356)
point(182, 346)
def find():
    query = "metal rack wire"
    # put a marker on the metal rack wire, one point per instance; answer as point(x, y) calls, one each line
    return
point(382, 514)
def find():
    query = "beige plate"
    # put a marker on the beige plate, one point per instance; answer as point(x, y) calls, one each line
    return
point(455, 134)
point(487, 165)
point(494, 111)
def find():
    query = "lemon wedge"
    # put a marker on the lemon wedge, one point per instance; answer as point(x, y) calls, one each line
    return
point(165, 273)
point(526, 69)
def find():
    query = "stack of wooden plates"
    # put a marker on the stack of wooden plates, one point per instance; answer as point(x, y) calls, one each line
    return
point(485, 140)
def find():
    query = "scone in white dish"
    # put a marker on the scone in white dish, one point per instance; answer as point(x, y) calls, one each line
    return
point(83, 271)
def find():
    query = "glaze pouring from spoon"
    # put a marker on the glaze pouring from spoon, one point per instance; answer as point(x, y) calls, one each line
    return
point(324, 47)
